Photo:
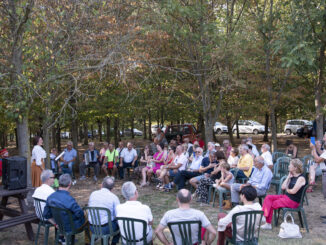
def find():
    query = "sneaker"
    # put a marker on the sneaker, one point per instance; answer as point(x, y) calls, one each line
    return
point(158, 186)
point(74, 182)
point(95, 179)
point(266, 226)
point(62, 240)
point(82, 178)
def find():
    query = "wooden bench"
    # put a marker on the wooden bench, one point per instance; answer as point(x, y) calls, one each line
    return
point(18, 220)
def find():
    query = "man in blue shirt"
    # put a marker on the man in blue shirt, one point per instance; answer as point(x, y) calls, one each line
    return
point(260, 179)
point(62, 199)
point(68, 159)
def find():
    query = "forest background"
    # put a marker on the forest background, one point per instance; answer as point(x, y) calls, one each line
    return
point(92, 65)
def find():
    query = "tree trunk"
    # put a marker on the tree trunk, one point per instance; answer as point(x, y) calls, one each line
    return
point(266, 127)
point(237, 127)
point(162, 116)
point(116, 132)
point(99, 123)
point(132, 128)
point(318, 93)
point(16, 137)
point(274, 134)
point(24, 144)
point(230, 133)
point(92, 131)
point(46, 146)
point(145, 132)
point(149, 124)
point(108, 129)
point(74, 135)
point(58, 135)
point(85, 133)
point(54, 138)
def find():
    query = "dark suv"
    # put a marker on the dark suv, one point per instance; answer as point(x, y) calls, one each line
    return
point(185, 130)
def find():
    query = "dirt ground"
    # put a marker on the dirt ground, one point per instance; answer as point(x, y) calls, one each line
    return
point(161, 202)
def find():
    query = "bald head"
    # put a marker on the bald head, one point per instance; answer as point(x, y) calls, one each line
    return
point(184, 196)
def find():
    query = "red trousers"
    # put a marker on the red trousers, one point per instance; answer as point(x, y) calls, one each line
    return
point(223, 234)
point(272, 202)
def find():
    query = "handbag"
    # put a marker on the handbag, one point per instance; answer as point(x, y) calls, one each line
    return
point(288, 229)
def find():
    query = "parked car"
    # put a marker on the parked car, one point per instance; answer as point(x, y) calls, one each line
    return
point(292, 126)
point(308, 130)
point(185, 130)
point(65, 135)
point(137, 132)
point(220, 128)
point(249, 127)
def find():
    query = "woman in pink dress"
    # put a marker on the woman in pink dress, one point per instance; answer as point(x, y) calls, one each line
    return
point(153, 165)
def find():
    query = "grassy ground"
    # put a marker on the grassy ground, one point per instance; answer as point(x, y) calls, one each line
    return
point(161, 202)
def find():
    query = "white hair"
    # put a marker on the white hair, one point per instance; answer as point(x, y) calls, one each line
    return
point(45, 175)
point(267, 147)
point(244, 147)
point(128, 190)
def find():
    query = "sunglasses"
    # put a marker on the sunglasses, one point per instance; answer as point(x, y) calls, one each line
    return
point(198, 151)
point(52, 177)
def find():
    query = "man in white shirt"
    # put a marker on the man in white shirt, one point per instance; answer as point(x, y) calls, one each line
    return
point(104, 198)
point(266, 154)
point(128, 158)
point(192, 171)
point(185, 213)
point(45, 190)
point(254, 148)
point(247, 195)
point(136, 210)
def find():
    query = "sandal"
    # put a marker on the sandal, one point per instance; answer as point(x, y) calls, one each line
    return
point(310, 189)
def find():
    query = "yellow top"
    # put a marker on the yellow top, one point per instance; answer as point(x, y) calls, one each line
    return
point(246, 161)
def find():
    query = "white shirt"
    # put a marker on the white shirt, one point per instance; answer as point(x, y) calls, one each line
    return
point(177, 215)
point(268, 159)
point(254, 150)
point(222, 223)
point(136, 210)
point(233, 160)
point(128, 156)
point(42, 192)
point(181, 159)
point(104, 198)
point(196, 162)
point(38, 153)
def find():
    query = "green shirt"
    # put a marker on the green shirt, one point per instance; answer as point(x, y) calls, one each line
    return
point(111, 155)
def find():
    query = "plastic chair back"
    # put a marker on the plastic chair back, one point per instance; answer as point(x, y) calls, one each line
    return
point(39, 208)
point(128, 231)
point(59, 215)
point(94, 213)
point(277, 154)
point(281, 167)
point(185, 231)
point(251, 226)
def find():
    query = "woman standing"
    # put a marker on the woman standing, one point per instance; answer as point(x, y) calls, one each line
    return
point(38, 156)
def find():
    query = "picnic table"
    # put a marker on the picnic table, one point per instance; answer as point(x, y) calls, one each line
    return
point(17, 217)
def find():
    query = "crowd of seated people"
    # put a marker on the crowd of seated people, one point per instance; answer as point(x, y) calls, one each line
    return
point(242, 171)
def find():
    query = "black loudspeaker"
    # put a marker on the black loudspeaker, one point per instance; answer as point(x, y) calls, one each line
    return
point(14, 172)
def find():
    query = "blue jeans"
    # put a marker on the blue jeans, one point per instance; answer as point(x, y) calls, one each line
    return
point(67, 170)
point(125, 165)
point(106, 231)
